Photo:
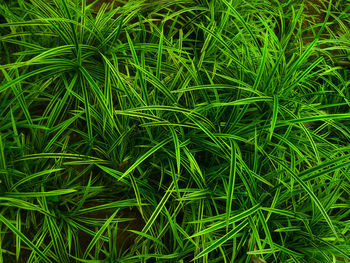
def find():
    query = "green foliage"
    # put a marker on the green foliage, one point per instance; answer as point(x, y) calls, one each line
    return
point(174, 131)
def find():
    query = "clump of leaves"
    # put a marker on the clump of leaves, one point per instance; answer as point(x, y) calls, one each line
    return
point(205, 131)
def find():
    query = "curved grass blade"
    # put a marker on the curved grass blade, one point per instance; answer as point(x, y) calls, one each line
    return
point(158, 209)
point(98, 234)
point(145, 156)
point(232, 179)
point(223, 239)
point(274, 115)
point(311, 194)
point(24, 239)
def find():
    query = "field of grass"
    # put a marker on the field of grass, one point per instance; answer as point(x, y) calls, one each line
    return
point(175, 131)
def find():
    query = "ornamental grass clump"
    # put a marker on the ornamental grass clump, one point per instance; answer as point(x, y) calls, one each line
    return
point(174, 131)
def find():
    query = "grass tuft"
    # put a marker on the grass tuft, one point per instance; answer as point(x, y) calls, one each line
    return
point(174, 131)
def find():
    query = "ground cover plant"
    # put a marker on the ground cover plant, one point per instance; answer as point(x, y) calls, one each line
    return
point(174, 131)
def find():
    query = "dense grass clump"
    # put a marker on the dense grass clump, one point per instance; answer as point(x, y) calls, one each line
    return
point(175, 131)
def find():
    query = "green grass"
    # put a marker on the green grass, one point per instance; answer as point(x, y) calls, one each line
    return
point(175, 131)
